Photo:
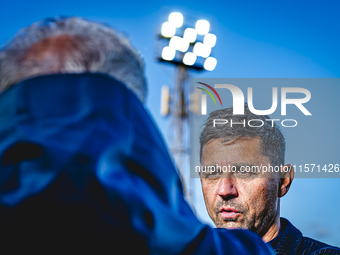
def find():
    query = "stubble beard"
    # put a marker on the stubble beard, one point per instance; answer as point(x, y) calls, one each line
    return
point(243, 221)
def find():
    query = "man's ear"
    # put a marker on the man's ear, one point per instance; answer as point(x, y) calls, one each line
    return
point(286, 179)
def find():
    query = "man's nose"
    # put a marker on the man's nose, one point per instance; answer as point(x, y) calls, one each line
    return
point(227, 188)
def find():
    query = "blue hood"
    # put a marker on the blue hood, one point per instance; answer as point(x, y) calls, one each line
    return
point(82, 160)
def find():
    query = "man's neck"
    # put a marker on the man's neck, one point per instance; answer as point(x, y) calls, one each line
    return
point(273, 231)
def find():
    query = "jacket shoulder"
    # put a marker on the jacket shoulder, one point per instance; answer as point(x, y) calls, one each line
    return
point(313, 247)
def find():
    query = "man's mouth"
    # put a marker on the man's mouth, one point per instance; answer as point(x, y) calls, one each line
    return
point(229, 213)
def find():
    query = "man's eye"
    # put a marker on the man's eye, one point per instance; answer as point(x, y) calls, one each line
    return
point(212, 174)
point(244, 174)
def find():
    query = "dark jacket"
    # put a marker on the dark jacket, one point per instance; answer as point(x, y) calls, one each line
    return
point(82, 167)
point(291, 241)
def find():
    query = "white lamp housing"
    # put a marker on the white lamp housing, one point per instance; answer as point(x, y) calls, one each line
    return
point(168, 29)
point(189, 58)
point(168, 53)
point(209, 40)
point(176, 19)
point(210, 64)
point(202, 27)
point(190, 35)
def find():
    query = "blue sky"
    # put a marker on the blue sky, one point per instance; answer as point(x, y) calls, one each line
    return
point(254, 39)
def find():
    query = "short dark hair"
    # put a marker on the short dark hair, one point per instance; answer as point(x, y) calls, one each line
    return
point(273, 143)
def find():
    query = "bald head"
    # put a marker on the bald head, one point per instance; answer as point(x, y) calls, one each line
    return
point(52, 53)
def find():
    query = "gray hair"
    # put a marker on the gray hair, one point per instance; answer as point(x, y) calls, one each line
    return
point(272, 141)
point(98, 48)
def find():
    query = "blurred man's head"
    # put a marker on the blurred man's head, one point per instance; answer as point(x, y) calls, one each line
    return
point(244, 199)
point(71, 45)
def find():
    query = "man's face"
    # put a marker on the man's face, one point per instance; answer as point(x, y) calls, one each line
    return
point(239, 200)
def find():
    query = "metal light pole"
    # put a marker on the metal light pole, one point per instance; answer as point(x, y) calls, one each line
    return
point(186, 48)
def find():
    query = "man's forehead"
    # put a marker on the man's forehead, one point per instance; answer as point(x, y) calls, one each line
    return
point(240, 148)
point(253, 141)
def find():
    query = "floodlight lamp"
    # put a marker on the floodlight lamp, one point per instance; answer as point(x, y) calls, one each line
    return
point(190, 35)
point(210, 63)
point(209, 40)
point(205, 51)
point(176, 19)
point(179, 43)
point(175, 42)
point(202, 27)
point(168, 53)
point(198, 49)
point(184, 46)
point(168, 29)
point(189, 58)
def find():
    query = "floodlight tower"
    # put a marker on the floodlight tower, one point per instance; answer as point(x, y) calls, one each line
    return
point(187, 48)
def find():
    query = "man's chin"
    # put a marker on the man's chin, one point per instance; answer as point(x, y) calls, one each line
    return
point(230, 224)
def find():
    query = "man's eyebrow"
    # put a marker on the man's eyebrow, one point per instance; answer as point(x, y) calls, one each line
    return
point(231, 164)
point(242, 164)
point(210, 165)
